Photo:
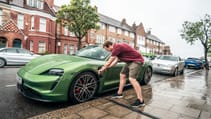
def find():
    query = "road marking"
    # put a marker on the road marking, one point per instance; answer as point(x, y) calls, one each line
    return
point(191, 72)
point(12, 85)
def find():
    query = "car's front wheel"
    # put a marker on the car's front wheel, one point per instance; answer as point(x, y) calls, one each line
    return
point(83, 87)
point(147, 76)
point(182, 72)
point(2, 63)
point(176, 72)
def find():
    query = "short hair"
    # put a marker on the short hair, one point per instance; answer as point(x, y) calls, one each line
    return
point(107, 43)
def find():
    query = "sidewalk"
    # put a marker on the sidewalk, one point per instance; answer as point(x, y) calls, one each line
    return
point(182, 97)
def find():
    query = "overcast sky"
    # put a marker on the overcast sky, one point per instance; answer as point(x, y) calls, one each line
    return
point(163, 17)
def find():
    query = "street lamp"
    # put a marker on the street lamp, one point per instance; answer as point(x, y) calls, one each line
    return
point(59, 44)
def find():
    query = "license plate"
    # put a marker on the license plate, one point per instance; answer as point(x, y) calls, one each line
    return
point(19, 79)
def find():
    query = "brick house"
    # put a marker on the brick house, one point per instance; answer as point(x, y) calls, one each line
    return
point(113, 30)
point(28, 24)
point(154, 44)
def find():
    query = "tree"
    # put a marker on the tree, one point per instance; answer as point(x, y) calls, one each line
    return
point(79, 17)
point(198, 31)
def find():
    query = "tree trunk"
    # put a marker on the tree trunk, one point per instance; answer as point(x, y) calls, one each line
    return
point(205, 57)
point(79, 43)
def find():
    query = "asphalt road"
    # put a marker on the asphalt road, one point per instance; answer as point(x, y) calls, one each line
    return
point(14, 106)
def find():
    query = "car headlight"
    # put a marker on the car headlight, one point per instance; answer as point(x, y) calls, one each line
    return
point(56, 72)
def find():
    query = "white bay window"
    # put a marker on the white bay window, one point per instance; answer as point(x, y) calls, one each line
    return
point(20, 21)
point(42, 24)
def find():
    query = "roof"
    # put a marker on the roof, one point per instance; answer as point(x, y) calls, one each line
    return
point(10, 26)
point(113, 22)
point(154, 38)
point(107, 20)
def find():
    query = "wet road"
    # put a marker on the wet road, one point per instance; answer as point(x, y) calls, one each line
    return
point(13, 105)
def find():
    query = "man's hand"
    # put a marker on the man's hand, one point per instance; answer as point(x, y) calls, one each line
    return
point(102, 69)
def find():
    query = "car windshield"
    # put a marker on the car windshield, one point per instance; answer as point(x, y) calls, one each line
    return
point(193, 59)
point(93, 52)
point(170, 58)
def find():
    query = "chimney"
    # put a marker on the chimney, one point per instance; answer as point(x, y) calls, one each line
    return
point(134, 25)
point(124, 21)
point(149, 31)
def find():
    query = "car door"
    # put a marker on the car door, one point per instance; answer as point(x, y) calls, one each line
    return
point(26, 56)
point(111, 76)
point(12, 56)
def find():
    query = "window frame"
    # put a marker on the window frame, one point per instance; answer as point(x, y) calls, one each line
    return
point(43, 25)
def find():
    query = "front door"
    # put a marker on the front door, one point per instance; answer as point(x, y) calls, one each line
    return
point(17, 43)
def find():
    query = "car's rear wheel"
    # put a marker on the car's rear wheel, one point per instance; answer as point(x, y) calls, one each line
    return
point(83, 87)
point(147, 76)
point(2, 63)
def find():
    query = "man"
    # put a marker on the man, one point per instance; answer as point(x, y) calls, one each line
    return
point(133, 60)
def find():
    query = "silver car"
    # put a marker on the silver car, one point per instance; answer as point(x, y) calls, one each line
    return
point(168, 64)
point(15, 56)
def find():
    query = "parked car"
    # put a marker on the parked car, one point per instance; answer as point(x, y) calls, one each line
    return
point(195, 63)
point(168, 64)
point(60, 77)
point(15, 56)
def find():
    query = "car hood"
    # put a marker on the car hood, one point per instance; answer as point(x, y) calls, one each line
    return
point(164, 62)
point(43, 63)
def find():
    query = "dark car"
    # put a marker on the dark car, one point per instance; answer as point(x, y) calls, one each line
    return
point(195, 63)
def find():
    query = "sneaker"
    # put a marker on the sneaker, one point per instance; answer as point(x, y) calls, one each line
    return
point(117, 96)
point(138, 103)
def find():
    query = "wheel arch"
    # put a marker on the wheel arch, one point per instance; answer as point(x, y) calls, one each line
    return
point(142, 82)
point(4, 60)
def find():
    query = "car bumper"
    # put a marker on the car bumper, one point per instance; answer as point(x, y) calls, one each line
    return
point(197, 66)
point(32, 94)
point(50, 90)
point(165, 70)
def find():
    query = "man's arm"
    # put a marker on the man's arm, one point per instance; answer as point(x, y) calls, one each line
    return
point(114, 62)
point(111, 62)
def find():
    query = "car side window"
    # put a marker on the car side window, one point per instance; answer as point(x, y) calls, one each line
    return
point(11, 51)
point(22, 51)
point(3, 50)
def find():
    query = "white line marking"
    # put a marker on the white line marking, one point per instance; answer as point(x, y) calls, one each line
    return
point(10, 85)
point(191, 72)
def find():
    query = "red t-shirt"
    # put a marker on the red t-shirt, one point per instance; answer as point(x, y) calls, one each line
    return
point(126, 53)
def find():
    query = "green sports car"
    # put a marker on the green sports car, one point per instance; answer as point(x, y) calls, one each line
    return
point(59, 77)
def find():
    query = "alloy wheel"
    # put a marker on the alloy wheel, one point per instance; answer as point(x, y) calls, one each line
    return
point(84, 87)
point(147, 76)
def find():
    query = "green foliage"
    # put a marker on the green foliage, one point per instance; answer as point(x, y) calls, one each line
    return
point(199, 30)
point(79, 17)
